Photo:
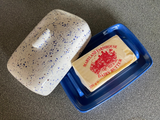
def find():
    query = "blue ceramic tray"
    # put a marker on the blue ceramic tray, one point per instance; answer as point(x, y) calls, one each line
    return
point(80, 96)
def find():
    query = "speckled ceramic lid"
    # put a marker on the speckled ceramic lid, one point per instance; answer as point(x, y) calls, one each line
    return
point(44, 57)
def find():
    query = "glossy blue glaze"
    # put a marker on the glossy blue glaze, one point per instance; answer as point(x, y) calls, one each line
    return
point(87, 100)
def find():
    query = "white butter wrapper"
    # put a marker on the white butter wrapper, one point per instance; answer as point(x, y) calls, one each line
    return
point(103, 62)
point(44, 57)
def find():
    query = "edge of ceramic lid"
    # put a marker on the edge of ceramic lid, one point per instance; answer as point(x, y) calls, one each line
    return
point(42, 48)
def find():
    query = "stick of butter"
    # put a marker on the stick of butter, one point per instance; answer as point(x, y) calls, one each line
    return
point(103, 62)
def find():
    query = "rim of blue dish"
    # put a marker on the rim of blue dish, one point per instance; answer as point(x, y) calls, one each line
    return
point(144, 57)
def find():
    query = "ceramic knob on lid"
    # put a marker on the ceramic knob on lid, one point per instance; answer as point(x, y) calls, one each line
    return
point(44, 57)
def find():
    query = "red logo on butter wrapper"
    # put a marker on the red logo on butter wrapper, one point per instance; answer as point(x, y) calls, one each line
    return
point(103, 61)
point(106, 59)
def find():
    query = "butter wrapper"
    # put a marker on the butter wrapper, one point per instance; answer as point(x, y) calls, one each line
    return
point(103, 62)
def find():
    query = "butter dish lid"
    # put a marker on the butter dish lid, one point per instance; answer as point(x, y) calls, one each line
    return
point(44, 57)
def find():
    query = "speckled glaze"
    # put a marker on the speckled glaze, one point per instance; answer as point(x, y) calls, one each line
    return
point(44, 57)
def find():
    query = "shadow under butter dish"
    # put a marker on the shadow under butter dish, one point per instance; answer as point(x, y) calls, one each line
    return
point(103, 62)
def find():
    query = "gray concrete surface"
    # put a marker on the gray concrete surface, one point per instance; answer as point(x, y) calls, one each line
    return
point(139, 101)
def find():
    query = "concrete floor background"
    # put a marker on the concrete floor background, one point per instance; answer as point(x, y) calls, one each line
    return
point(139, 101)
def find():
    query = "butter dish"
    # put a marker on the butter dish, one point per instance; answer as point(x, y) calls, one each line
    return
point(83, 99)
point(44, 57)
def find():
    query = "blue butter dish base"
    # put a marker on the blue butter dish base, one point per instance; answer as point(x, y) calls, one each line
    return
point(81, 97)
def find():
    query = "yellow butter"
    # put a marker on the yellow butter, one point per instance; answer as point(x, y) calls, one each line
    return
point(103, 62)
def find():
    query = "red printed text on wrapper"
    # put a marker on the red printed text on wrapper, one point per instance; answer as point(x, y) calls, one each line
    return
point(103, 61)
